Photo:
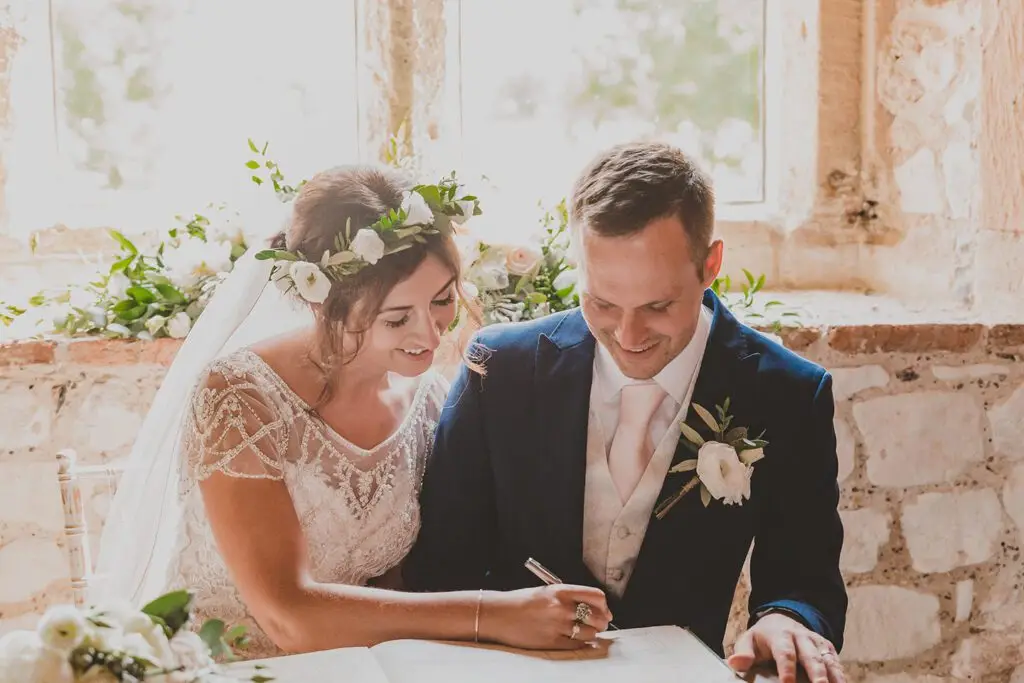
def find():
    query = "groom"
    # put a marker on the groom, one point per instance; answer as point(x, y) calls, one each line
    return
point(562, 451)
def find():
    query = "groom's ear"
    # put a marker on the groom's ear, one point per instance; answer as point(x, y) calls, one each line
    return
point(712, 263)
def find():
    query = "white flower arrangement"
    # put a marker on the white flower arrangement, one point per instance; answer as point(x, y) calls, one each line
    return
point(522, 282)
point(425, 210)
point(724, 464)
point(117, 643)
point(149, 293)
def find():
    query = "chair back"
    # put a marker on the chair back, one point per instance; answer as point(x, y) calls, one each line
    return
point(70, 477)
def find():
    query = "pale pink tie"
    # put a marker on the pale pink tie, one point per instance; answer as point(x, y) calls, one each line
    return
point(631, 448)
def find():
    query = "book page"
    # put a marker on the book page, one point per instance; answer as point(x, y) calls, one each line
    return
point(646, 655)
point(355, 664)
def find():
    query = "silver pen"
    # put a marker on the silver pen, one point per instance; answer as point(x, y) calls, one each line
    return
point(545, 575)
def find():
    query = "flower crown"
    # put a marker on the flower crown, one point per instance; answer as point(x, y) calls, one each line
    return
point(425, 210)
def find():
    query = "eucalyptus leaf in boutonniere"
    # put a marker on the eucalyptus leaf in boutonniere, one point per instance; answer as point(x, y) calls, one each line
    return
point(723, 464)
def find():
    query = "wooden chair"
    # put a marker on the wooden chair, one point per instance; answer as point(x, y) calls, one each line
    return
point(69, 477)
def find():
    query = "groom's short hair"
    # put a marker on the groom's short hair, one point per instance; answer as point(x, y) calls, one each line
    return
point(626, 187)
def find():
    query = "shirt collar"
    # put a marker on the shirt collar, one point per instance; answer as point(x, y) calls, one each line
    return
point(674, 378)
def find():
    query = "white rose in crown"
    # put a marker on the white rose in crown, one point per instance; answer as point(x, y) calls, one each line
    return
point(368, 245)
point(417, 211)
point(723, 464)
point(311, 282)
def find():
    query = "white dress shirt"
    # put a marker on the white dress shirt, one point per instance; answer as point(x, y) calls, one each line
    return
point(613, 531)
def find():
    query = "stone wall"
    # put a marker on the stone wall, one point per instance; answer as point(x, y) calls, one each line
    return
point(929, 427)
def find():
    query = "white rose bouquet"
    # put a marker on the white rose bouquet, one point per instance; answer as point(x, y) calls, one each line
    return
point(118, 643)
point(724, 464)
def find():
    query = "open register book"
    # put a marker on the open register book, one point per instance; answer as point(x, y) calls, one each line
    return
point(644, 655)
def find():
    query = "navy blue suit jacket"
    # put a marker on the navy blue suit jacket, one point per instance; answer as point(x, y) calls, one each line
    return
point(505, 481)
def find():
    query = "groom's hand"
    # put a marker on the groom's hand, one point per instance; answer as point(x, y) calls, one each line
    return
point(776, 637)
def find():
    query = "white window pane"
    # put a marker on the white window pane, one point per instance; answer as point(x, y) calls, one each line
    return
point(548, 83)
point(155, 101)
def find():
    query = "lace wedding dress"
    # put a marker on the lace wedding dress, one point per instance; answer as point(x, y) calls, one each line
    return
point(358, 508)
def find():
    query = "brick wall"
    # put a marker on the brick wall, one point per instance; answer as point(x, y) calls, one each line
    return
point(929, 425)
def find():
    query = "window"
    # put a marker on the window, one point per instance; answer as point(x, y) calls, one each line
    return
point(545, 84)
point(151, 103)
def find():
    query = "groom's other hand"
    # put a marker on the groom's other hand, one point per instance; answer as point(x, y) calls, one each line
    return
point(787, 642)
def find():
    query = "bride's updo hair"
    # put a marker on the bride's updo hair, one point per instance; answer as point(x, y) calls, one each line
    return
point(360, 195)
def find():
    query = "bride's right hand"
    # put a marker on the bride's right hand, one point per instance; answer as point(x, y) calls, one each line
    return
point(542, 618)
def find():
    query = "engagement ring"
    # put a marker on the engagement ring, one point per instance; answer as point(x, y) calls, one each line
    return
point(575, 630)
point(583, 612)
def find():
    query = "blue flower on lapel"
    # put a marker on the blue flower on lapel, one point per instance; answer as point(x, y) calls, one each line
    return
point(723, 464)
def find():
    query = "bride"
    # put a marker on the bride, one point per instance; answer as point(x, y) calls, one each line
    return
point(277, 473)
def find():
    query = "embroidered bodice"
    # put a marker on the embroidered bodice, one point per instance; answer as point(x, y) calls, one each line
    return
point(358, 508)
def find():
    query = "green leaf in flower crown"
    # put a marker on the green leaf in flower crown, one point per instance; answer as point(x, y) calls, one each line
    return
point(172, 609)
point(141, 294)
point(703, 413)
point(691, 434)
point(402, 233)
point(431, 193)
point(276, 255)
point(170, 293)
point(340, 258)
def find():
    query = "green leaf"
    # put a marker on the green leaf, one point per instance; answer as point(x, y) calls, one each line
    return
point(748, 444)
point(124, 242)
point(759, 284)
point(252, 164)
point(432, 194)
point(141, 294)
point(236, 634)
point(691, 434)
point(705, 495)
point(256, 179)
point(124, 305)
point(707, 417)
point(172, 608)
point(134, 313)
point(684, 466)
point(212, 633)
point(252, 146)
point(37, 300)
point(170, 293)
point(735, 433)
point(535, 298)
point(120, 266)
point(275, 255)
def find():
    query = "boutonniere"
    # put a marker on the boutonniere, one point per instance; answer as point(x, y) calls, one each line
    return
point(724, 464)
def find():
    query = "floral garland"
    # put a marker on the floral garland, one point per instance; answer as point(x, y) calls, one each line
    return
point(425, 210)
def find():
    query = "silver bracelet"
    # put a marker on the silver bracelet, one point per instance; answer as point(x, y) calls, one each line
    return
point(476, 627)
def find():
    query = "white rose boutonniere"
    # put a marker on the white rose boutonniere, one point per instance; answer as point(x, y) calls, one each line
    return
point(724, 463)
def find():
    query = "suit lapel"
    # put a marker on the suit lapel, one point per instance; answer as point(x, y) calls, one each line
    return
point(564, 367)
point(728, 369)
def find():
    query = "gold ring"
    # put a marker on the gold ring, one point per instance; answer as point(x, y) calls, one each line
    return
point(583, 612)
